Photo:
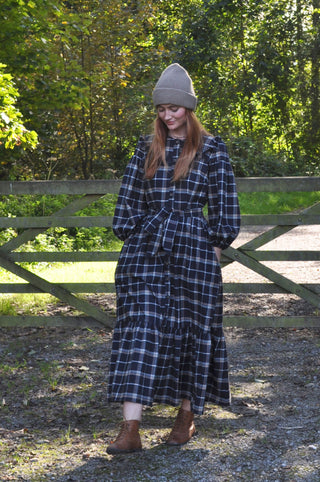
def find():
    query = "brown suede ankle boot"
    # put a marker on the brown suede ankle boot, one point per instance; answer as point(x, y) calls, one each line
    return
point(128, 439)
point(183, 428)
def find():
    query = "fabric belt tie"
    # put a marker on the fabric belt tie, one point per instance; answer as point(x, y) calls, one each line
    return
point(163, 226)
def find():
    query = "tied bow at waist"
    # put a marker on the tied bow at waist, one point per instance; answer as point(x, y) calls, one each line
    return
point(163, 226)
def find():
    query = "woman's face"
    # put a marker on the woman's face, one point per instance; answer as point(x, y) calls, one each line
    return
point(175, 118)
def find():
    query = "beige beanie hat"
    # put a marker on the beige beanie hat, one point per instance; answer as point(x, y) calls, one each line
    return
point(175, 87)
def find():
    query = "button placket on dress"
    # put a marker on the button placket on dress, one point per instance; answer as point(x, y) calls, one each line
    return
point(171, 195)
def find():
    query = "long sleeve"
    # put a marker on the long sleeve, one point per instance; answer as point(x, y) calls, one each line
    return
point(223, 206)
point(131, 205)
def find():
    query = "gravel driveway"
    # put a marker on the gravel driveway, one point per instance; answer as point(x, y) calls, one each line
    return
point(305, 238)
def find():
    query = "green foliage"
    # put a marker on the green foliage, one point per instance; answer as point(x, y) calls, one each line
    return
point(85, 72)
point(249, 159)
point(12, 131)
point(60, 238)
point(31, 205)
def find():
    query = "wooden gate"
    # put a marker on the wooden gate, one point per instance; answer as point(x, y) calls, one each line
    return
point(249, 255)
point(90, 191)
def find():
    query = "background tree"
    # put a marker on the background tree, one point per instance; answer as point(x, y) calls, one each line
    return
point(85, 72)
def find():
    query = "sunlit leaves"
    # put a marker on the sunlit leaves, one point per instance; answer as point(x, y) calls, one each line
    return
point(12, 131)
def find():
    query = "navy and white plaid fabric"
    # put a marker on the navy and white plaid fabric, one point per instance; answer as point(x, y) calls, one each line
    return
point(168, 342)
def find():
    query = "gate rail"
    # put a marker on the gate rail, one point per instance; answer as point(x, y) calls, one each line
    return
point(91, 191)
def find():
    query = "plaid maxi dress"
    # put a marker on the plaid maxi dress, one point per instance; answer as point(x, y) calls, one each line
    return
point(168, 342)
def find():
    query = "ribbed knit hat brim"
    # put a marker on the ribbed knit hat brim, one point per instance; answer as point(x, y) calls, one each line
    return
point(175, 87)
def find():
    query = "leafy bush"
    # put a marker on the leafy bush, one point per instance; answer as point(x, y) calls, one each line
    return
point(60, 238)
point(249, 159)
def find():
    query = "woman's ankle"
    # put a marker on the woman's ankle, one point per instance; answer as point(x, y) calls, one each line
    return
point(132, 411)
point(186, 405)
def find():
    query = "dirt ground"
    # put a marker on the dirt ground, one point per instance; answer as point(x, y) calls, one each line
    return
point(55, 423)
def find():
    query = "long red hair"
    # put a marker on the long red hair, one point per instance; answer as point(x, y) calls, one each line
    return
point(157, 151)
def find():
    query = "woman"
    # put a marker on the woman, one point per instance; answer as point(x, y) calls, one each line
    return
point(168, 344)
